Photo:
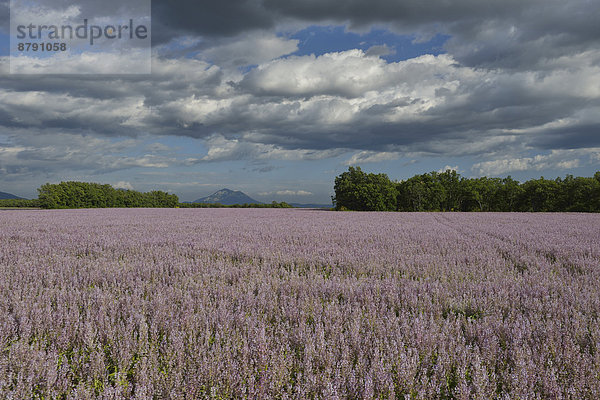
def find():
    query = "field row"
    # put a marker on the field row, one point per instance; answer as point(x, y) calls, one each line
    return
point(297, 304)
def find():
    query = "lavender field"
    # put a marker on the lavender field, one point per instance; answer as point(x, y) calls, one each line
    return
point(298, 304)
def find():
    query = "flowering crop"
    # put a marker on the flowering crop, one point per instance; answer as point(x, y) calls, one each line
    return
point(297, 304)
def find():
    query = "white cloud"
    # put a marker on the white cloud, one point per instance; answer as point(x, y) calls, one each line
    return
point(350, 74)
point(24, 14)
point(123, 185)
point(221, 149)
point(448, 167)
point(365, 157)
point(556, 159)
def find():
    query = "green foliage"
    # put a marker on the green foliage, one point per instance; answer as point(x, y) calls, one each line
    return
point(424, 193)
point(95, 195)
point(359, 191)
point(448, 191)
point(19, 203)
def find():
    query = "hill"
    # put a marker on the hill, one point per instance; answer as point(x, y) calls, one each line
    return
point(228, 197)
point(8, 196)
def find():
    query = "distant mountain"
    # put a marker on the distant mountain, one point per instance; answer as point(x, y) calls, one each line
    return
point(228, 197)
point(298, 205)
point(4, 196)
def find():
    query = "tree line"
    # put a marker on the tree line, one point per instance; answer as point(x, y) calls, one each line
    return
point(19, 203)
point(95, 195)
point(448, 191)
point(273, 204)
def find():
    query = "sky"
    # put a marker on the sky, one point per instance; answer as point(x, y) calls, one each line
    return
point(276, 98)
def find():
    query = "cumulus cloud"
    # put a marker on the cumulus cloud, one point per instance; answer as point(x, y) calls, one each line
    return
point(26, 155)
point(556, 159)
point(448, 168)
point(123, 185)
point(319, 105)
point(135, 61)
point(223, 149)
point(364, 157)
point(308, 107)
point(349, 74)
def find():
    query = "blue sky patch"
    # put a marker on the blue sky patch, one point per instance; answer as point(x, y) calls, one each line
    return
point(319, 40)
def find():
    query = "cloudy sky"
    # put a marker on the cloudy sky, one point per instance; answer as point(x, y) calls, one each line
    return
point(276, 98)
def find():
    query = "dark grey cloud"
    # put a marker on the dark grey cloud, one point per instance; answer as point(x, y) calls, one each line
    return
point(498, 33)
point(173, 18)
point(512, 34)
point(409, 12)
point(570, 137)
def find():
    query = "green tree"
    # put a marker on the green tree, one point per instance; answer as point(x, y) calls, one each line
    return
point(508, 194)
point(359, 191)
point(539, 195)
point(448, 191)
point(483, 192)
point(422, 193)
point(94, 195)
point(452, 194)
